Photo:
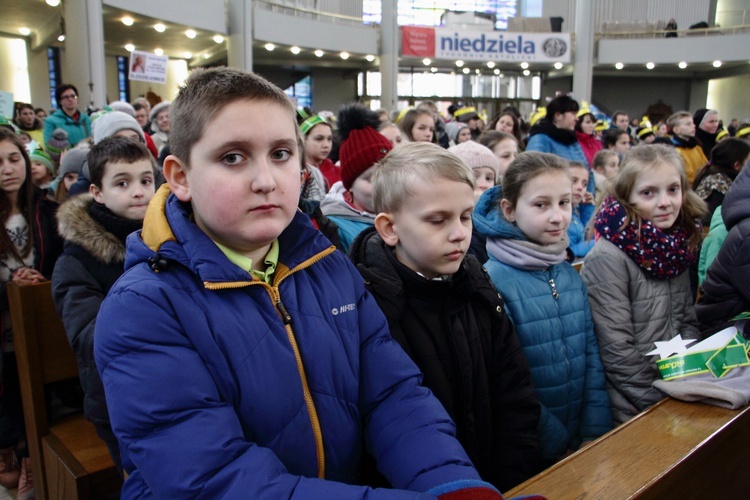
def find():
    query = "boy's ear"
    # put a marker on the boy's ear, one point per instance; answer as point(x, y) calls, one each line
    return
point(175, 174)
point(508, 211)
point(97, 193)
point(384, 224)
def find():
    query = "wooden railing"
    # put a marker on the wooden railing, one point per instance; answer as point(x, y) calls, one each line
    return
point(673, 450)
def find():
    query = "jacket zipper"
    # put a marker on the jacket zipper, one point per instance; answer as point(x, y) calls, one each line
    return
point(275, 293)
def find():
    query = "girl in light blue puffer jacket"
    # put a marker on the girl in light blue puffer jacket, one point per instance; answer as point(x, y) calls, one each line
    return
point(525, 223)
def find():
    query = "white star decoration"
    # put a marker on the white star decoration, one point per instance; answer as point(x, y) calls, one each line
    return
point(677, 345)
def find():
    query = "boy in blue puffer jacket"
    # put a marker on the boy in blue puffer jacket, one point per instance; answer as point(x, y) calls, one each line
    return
point(240, 353)
point(525, 224)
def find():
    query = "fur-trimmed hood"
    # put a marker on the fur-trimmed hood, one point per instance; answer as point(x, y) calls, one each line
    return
point(76, 226)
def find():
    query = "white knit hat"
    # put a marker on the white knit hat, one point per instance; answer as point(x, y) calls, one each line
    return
point(110, 123)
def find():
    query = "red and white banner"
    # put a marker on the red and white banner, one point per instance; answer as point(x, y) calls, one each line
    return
point(439, 43)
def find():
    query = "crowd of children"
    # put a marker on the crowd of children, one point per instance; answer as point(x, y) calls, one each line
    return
point(454, 352)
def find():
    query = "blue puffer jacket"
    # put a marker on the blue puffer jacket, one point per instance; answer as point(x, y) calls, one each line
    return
point(557, 336)
point(221, 386)
point(579, 244)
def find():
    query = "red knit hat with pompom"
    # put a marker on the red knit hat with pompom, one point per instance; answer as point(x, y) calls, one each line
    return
point(361, 144)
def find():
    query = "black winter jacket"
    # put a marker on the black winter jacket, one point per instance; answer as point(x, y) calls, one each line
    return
point(726, 290)
point(458, 334)
point(93, 260)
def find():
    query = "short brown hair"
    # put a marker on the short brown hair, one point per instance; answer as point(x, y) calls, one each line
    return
point(114, 149)
point(674, 120)
point(205, 93)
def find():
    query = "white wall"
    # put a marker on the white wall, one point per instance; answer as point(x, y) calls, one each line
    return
point(729, 96)
point(673, 50)
point(209, 15)
point(14, 76)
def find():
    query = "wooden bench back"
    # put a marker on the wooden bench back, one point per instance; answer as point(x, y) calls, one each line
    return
point(673, 450)
point(44, 356)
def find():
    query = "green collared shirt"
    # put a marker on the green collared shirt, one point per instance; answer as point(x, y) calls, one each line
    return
point(246, 263)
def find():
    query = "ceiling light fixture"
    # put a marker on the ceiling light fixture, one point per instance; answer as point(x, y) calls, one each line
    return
point(53, 3)
point(218, 38)
point(370, 57)
point(524, 65)
point(434, 69)
point(459, 63)
point(650, 65)
point(344, 55)
point(269, 46)
point(160, 27)
point(619, 65)
point(466, 71)
point(188, 55)
point(491, 64)
point(426, 61)
point(558, 65)
point(130, 47)
point(191, 34)
point(295, 50)
point(61, 38)
point(717, 64)
point(319, 53)
point(159, 52)
point(24, 31)
point(526, 72)
point(682, 65)
point(127, 21)
point(497, 71)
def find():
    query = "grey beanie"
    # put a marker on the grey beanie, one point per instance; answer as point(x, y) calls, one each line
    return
point(110, 123)
point(453, 128)
point(123, 106)
point(73, 161)
point(158, 108)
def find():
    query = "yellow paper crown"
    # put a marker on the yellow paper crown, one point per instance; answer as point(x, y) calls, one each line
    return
point(645, 122)
point(537, 115)
point(585, 110)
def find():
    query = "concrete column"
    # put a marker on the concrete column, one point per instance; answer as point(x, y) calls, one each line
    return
point(389, 48)
point(240, 40)
point(583, 65)
point(84, 64)
point(698, 94)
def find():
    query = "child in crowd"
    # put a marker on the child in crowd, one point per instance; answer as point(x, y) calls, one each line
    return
point(42, 169)
point(590, 143)
point(507, 122)
point(418, 125)
point(635, 275)
point(579, 243)
point(605, 167)
point(349, 203)
point(525, 222)
point(503, 145)
point(713, 180)
point(726, 290)
point(645, 135)
point(240, 353)
point(71, 164)
point(95, 227)
point(391, 132)
point(443, 310)
point(318, 135)
point(683, 138)
point(617, 140)
point(29, 246)
point(483, 163)
point(457, 133)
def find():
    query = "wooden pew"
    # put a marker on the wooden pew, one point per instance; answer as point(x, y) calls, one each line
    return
point(67, 457)
point(673, 450)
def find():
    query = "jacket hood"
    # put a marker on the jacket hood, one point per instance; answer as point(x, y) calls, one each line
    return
point(335, 204)
point(489, 220)
point(169, 234)
point(76, 226)
point(735, 206)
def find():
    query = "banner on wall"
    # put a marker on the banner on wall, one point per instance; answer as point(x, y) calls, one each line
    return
point(501, 46)
point(6, 104)
point(148, 67)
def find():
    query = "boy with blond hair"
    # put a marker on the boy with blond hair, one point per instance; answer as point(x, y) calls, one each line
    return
point(241, 355)
point(443, 310)
point(683, 138)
